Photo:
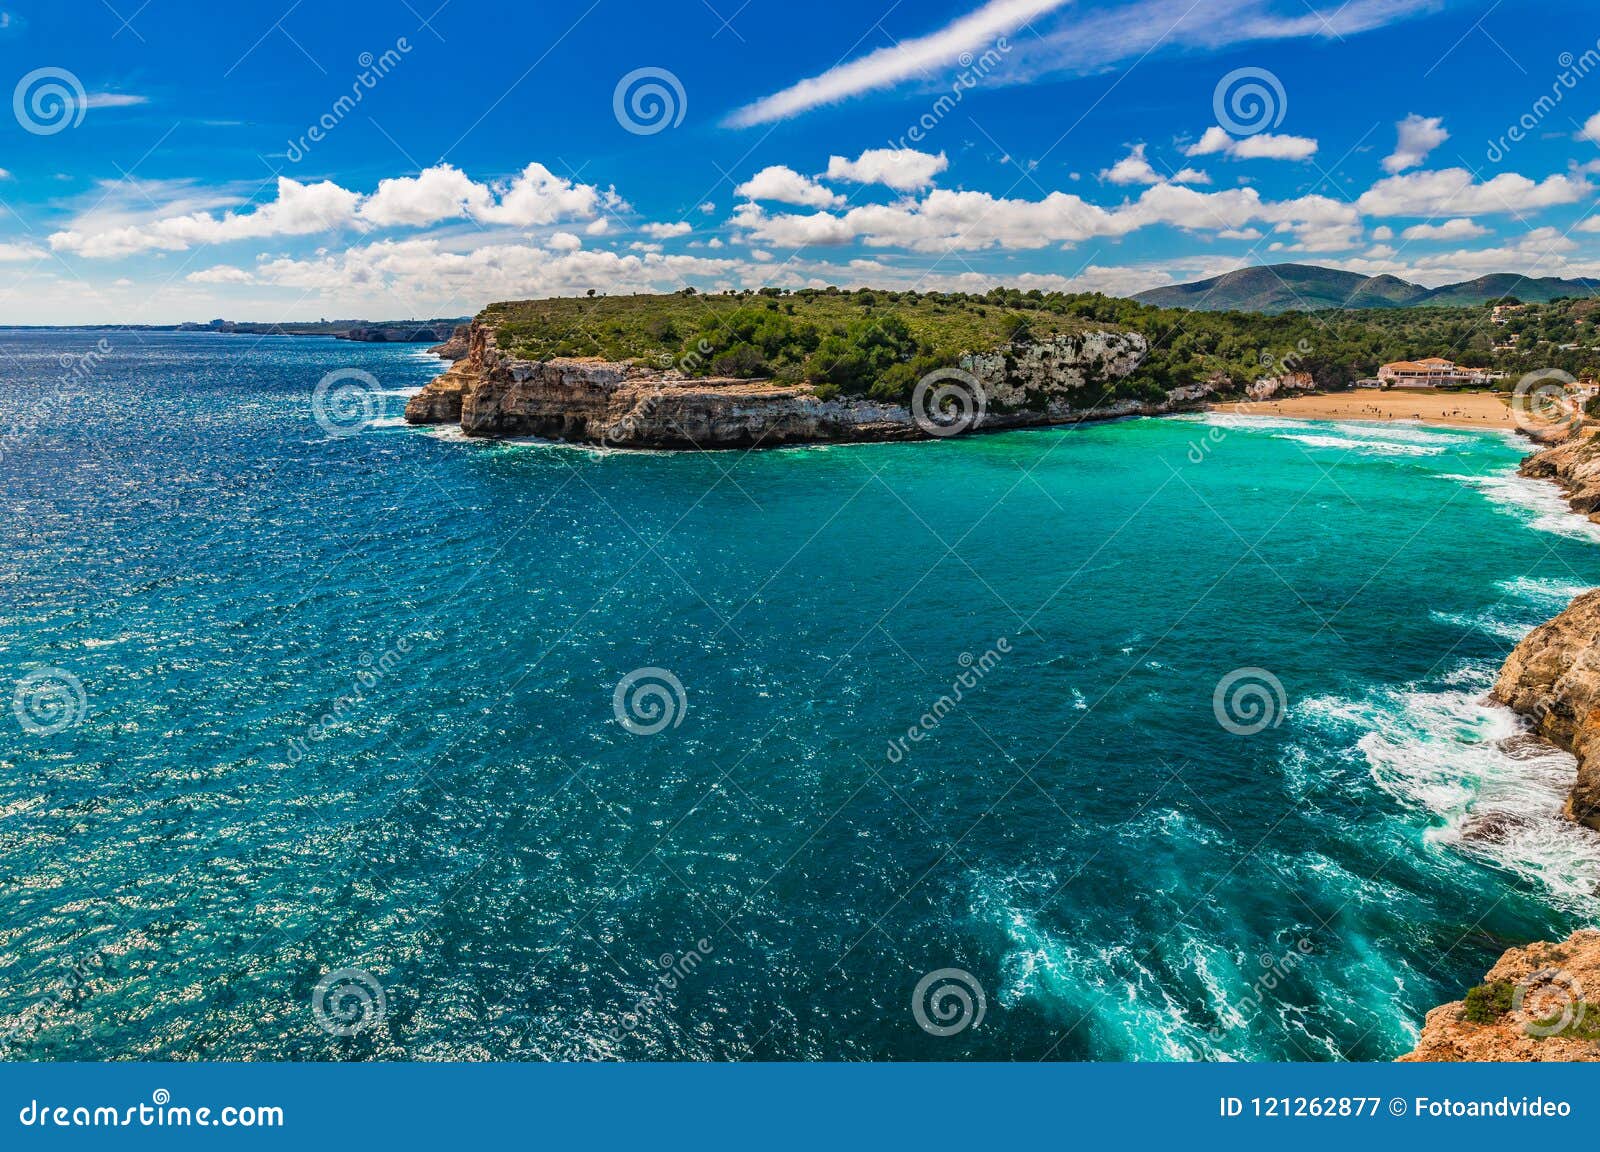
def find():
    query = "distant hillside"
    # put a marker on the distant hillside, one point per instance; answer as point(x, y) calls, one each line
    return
point(1306, 287)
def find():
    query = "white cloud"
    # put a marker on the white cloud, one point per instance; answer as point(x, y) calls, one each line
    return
point(440, 193)
point(1453, 192)
point(299, 210)
point(1591, 129)
point(220, 274)
point(667, 231)
point(945, 220)
point(114, 100)
point(1458, 229)
point(1262, 146)
point(1079, 41)
point(563, 242)
point(17, 253)
point(903, 169)
point(1416, 137)
point(1135, 169)
point(786, 186)
point(916, 56)
point(535, 196)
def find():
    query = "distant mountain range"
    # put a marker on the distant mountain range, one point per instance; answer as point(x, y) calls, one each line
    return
point(1286, 287)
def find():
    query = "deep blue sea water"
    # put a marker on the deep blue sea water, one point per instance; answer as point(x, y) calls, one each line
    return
point(347, 702)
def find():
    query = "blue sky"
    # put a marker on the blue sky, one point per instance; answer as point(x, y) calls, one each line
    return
point(167, 160)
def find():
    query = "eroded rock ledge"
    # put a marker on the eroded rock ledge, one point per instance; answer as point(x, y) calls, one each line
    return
point(1539, 1003)
point(1553, 676)
point(623, 405)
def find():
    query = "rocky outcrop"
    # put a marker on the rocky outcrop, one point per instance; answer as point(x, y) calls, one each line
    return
point(457, 347)
point(401, 332)
point(1553, 678)
point(1539, 1003)
point(625, 405)
point(439, 402)
point(1575, 465)
point(1269, 386)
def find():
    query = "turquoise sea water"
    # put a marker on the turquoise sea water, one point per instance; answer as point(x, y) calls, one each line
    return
point(347, 702)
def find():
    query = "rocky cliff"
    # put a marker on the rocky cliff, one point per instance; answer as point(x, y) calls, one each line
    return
point(457, 346)
point(1532, 1006)
point(1553, 676)
point(1536, 1004)
point(1575, 465)
point(626, 405)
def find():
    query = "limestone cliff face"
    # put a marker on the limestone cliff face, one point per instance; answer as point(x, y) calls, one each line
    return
point(1575, 465)
point(440, 401)
point(629, 406)
point(1553, 678)
point(457, 346)
point(1540, 1003)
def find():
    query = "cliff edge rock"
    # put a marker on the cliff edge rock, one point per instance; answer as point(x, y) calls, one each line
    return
point(628, 405)
point(1539, 1003)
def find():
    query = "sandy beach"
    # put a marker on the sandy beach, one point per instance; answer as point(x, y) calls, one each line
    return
point(1457, 409)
